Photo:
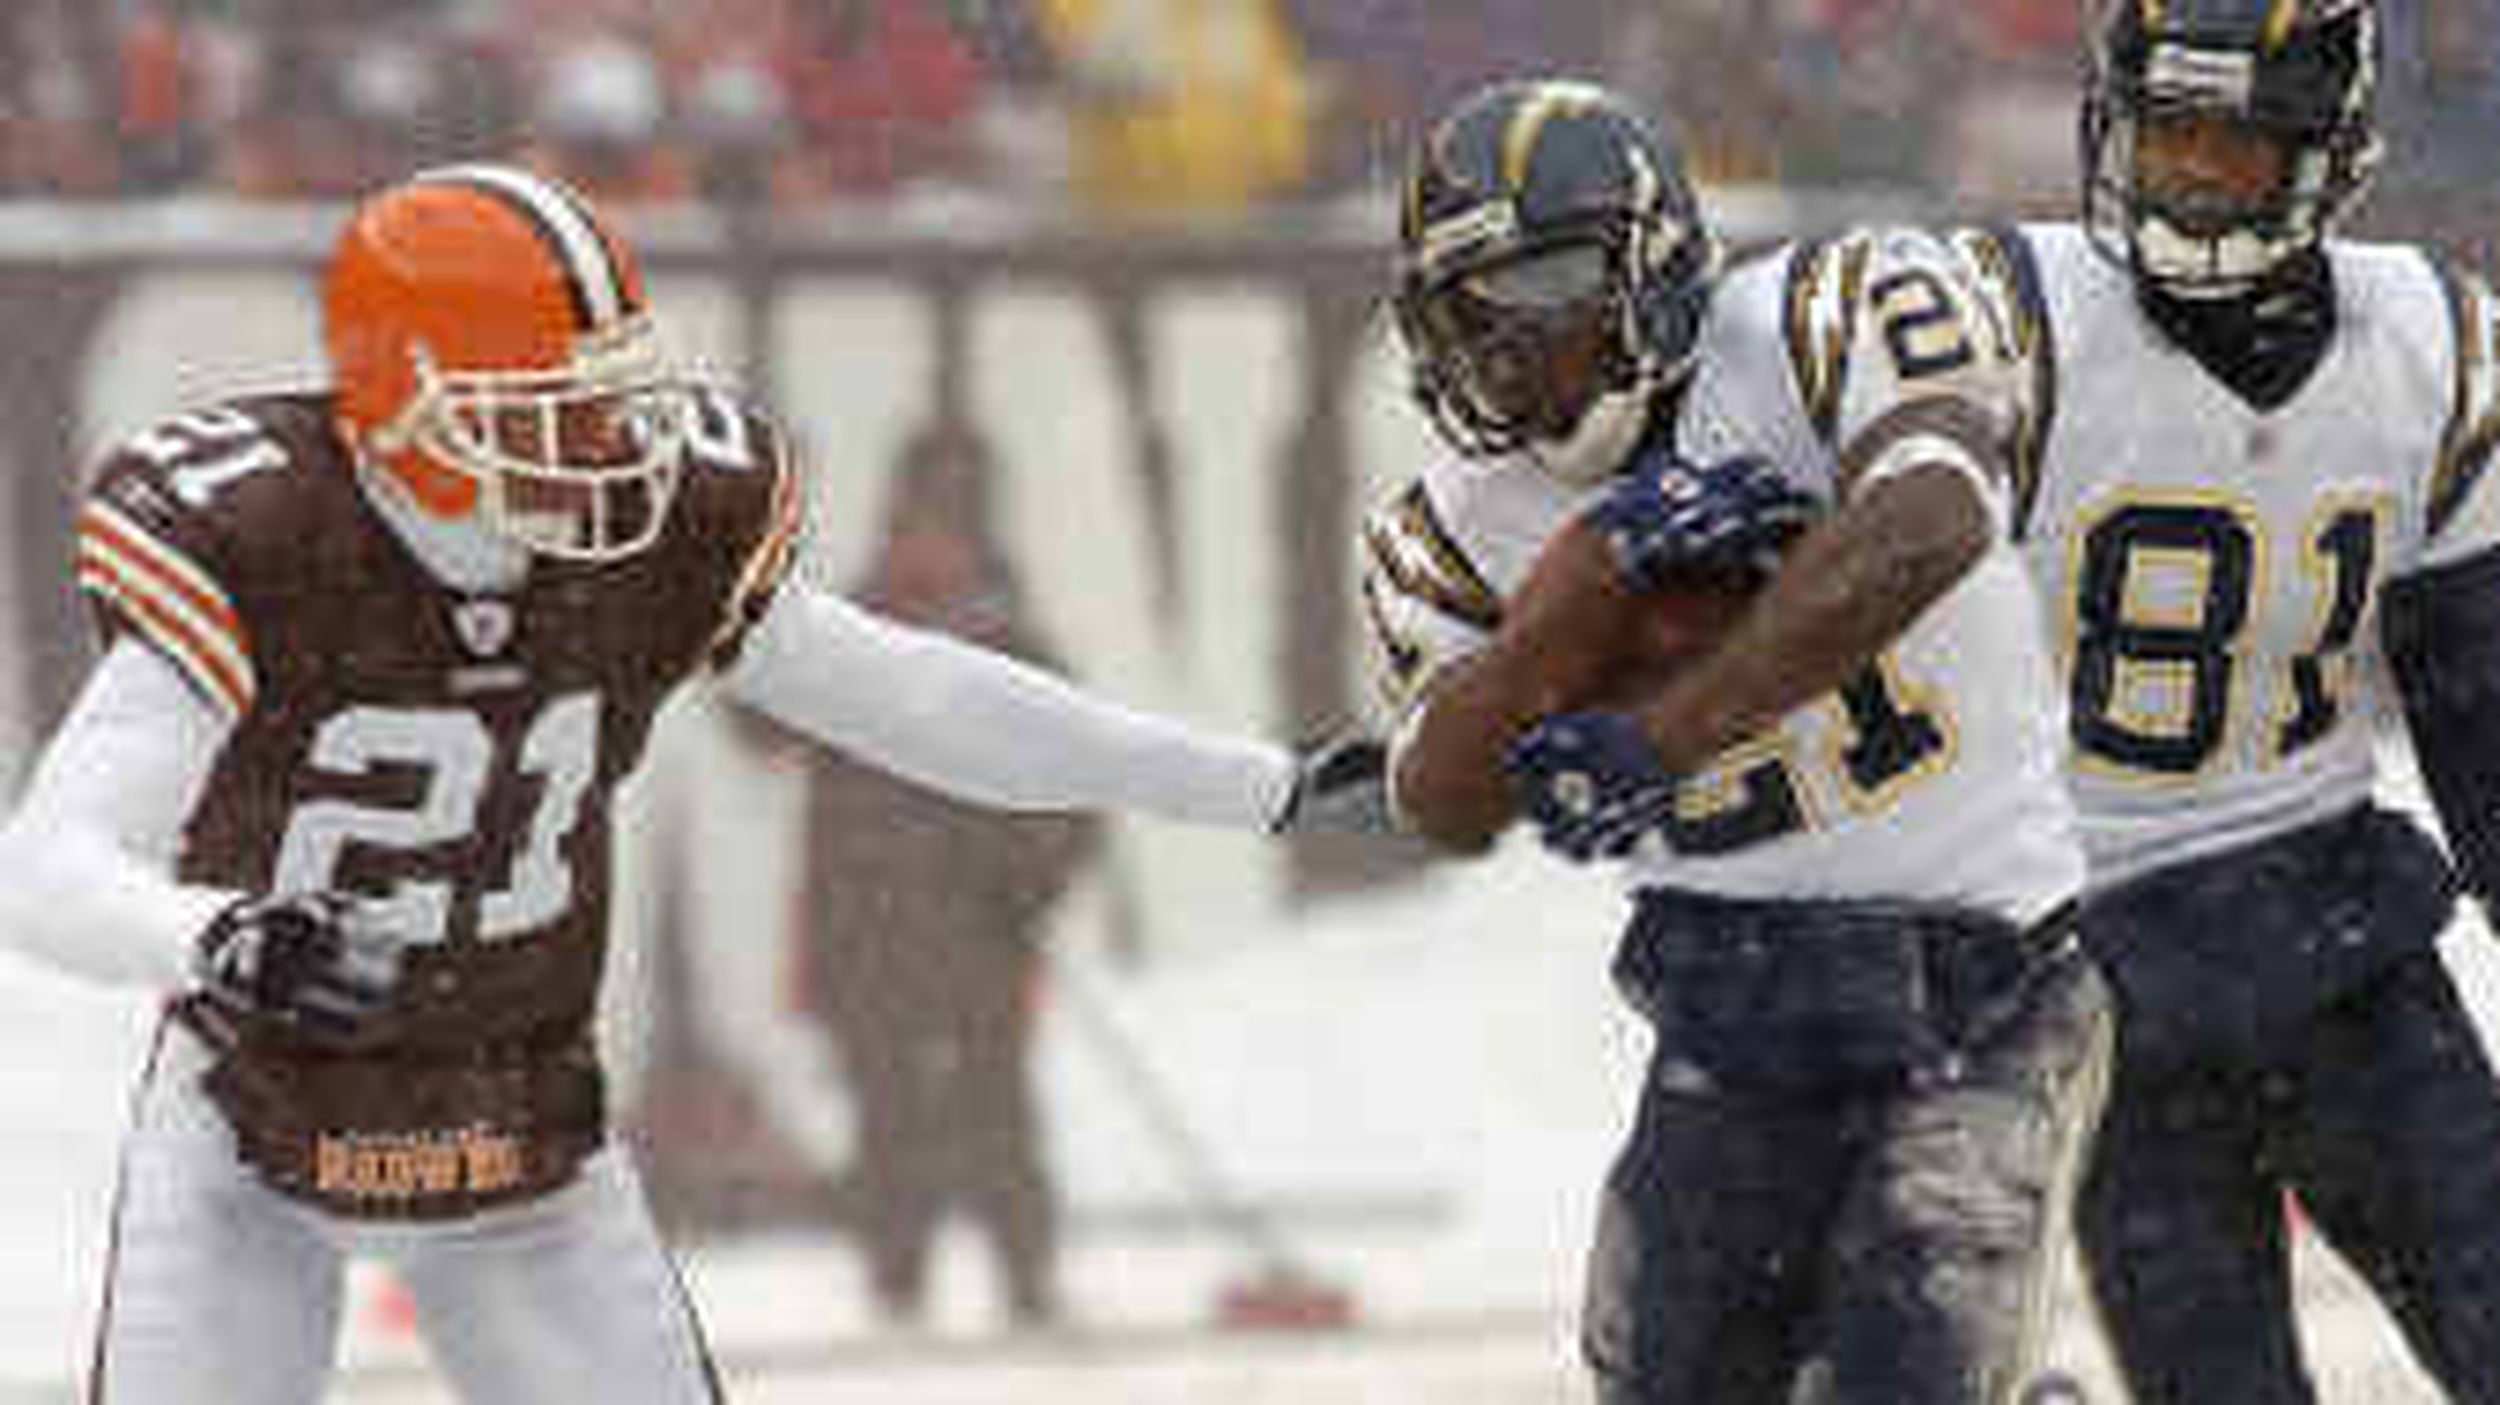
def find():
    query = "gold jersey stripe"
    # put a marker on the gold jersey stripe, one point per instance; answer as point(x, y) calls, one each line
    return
point(1820, 367)
point(2005, 259)
point(1443, 578)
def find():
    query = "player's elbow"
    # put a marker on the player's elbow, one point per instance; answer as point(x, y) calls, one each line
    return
point(1925, 531)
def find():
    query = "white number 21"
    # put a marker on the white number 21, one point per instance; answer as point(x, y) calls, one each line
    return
point(454, 751)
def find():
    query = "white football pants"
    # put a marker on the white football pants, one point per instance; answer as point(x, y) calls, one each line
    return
point(220, 1291)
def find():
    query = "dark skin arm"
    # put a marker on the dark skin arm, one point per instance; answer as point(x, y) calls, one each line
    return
point(1848, 588)
point(1553, 648)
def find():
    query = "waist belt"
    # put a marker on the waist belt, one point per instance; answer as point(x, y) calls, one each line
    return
point(407, 1136)
point(1820, 995)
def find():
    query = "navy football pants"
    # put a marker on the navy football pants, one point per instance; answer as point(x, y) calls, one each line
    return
point(1876, 1246)
point(2384, 1121)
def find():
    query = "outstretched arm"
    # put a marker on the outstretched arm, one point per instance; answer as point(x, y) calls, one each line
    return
point(85, 875)
point(984, 727)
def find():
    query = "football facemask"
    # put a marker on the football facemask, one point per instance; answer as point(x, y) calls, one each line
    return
point(1520, 347)
point(580, 463)
point(496, 363)
point(2221, 141)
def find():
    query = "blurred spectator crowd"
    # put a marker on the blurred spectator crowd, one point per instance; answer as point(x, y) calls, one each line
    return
point(1122, 108)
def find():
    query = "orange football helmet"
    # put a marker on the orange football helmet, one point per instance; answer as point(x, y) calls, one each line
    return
point(494, 359)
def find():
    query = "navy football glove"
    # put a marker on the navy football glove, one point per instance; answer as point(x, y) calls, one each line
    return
point(1592, 783)
point(1678, 526)
point(321, 965)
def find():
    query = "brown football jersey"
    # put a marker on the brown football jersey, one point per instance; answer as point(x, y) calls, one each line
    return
point(453, 753)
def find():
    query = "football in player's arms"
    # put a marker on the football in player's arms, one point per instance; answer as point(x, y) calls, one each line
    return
point(1616, 647)
point(1652, 577)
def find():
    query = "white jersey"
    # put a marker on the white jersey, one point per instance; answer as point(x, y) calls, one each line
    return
point(1934, 775)
point(2211, 570)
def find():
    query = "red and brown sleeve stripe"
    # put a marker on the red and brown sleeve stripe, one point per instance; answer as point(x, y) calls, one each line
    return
point(167, 599)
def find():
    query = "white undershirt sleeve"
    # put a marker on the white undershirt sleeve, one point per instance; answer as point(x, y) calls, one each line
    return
point(986, 728)
point(86, 861)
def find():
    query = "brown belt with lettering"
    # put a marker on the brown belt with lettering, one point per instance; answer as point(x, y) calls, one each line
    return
point(408, 1135)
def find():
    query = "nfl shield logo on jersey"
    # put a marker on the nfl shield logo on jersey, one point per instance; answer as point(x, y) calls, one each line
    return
point(484, 626)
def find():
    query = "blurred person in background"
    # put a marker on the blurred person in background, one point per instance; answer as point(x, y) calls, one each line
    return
point(2259, 501)
point(732, 109)
point(2009, 141)
point(338, 99)
point(1181, 108)
point(740, 138)
point(2443, 114)
point(1667, 51)
point(731, 105)
point(1382, 69)
point(792, 102)
point(1379, 69)
point(55, 60)
point(1869, 89)
point(377, 656)
point(600, 119)
point(920, 946)
point(1024, 117)
point(885, 93)
point(164, 112)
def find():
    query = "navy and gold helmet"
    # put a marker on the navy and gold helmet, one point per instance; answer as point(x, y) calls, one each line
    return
point(1553, 271)
point(2296, 75)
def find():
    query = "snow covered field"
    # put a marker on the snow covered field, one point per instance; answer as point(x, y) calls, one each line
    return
point(1421, 1087)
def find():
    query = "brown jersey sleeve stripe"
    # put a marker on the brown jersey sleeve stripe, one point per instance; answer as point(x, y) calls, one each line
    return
point(170, 602)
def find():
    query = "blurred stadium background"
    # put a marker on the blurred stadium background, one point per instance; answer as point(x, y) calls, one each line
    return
point(1123, 257)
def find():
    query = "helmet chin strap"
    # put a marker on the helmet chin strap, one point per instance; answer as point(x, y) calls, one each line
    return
point(464, 554)
point(1599, 443)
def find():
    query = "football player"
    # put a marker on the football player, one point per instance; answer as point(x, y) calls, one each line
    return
point(2254, 492)
point(1851, 860)
point(377, 657)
